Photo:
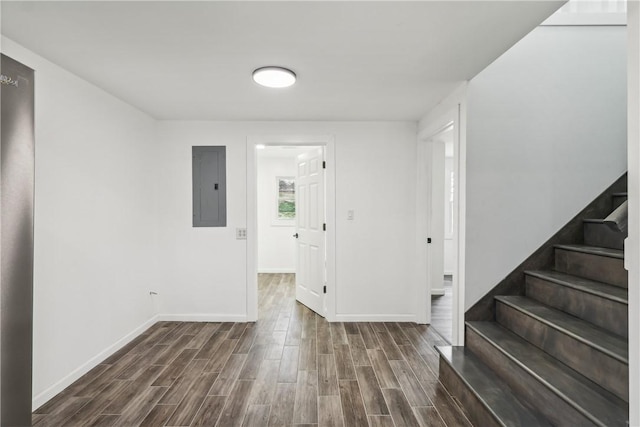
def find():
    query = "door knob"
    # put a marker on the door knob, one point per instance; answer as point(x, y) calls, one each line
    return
point(295, 235)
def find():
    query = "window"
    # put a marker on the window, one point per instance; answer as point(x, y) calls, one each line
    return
point(286, 198)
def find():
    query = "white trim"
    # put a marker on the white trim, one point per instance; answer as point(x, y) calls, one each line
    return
point(65, 382)
point(375, 318)
point(276, 270)
point(452, 109)
point(435, 120)
point(202, 317)
point(326, 141)
point(69, 379)
point(460, 233)
point(632, 243)
point(422, 296)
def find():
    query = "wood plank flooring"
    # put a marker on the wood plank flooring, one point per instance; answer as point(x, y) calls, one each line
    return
point(442, 310)
point(291, 367)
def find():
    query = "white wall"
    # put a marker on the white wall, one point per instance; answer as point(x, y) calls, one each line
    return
point(95, 224)
point(276, 244)
point(204, 269)
point(546, 134)
point(113, 221)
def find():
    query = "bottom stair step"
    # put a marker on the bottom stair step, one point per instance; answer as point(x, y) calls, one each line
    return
point(490, 402)
point(561, 394)
point(594, 352)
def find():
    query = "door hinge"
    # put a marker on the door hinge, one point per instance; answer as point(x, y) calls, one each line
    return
point(324, 289)
point(324, 164)
point(324, 227)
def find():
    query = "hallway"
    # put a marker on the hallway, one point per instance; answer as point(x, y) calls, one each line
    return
point(289, 368)
point(442, 311)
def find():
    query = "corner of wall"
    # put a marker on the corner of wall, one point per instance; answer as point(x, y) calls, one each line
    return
point(43, 397)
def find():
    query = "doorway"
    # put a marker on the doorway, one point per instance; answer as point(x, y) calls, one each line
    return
point(441, 172)
point(442, 225)
point(290, 213)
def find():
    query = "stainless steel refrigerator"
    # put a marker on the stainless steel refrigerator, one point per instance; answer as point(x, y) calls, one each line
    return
point(16, 236)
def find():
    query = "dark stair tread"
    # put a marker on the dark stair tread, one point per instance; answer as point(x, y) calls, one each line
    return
point(594, 402)
point(621, 194)
point(593, 250)
point(579, 329)
point(596, 221)
point(600, 289)
point(496, 395)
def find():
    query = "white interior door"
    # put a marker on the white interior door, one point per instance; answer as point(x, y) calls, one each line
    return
point(310, 271)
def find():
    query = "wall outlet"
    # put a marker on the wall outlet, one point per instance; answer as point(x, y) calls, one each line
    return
point(241, 234)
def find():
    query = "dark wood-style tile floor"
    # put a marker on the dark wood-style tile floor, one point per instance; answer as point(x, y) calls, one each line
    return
point(442, 310)
point(291, 367)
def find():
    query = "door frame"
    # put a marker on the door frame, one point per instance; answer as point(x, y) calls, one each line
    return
point(326, 141)
point(632, 243)
point(450, 113)
point(436, 180)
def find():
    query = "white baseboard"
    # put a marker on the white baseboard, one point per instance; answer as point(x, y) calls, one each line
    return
point(375, 318)
point(65, 382)
point(437, 292)
point(202, 317)
point(276, 270)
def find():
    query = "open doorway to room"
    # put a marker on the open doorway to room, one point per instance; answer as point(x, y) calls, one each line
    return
point(276, 209)
point(276, 223)
point(442, 226)
point(441, 173)
point(441, 222)
point(290, 220)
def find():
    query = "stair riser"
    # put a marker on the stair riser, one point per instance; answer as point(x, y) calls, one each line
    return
point(525, 385)
point(601, 368)
point(473, 408)
point(597, 234)
point(595, 267)
point(603, 312)
point(617, 201)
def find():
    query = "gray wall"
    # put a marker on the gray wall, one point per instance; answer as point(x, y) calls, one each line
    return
point(546, 134)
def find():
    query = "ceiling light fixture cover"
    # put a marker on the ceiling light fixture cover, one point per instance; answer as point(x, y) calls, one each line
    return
point(277, 77)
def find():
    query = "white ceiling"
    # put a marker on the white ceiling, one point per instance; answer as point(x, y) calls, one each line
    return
point(381, 60)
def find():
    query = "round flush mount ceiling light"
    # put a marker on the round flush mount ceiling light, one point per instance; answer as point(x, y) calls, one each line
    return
point(276, 77)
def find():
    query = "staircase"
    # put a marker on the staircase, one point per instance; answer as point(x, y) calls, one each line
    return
point(557, 355)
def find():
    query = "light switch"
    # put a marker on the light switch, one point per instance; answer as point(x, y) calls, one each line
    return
point(350, 215)
point(241, 234)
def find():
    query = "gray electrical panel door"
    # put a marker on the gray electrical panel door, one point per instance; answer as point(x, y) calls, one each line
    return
point(209, 186)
